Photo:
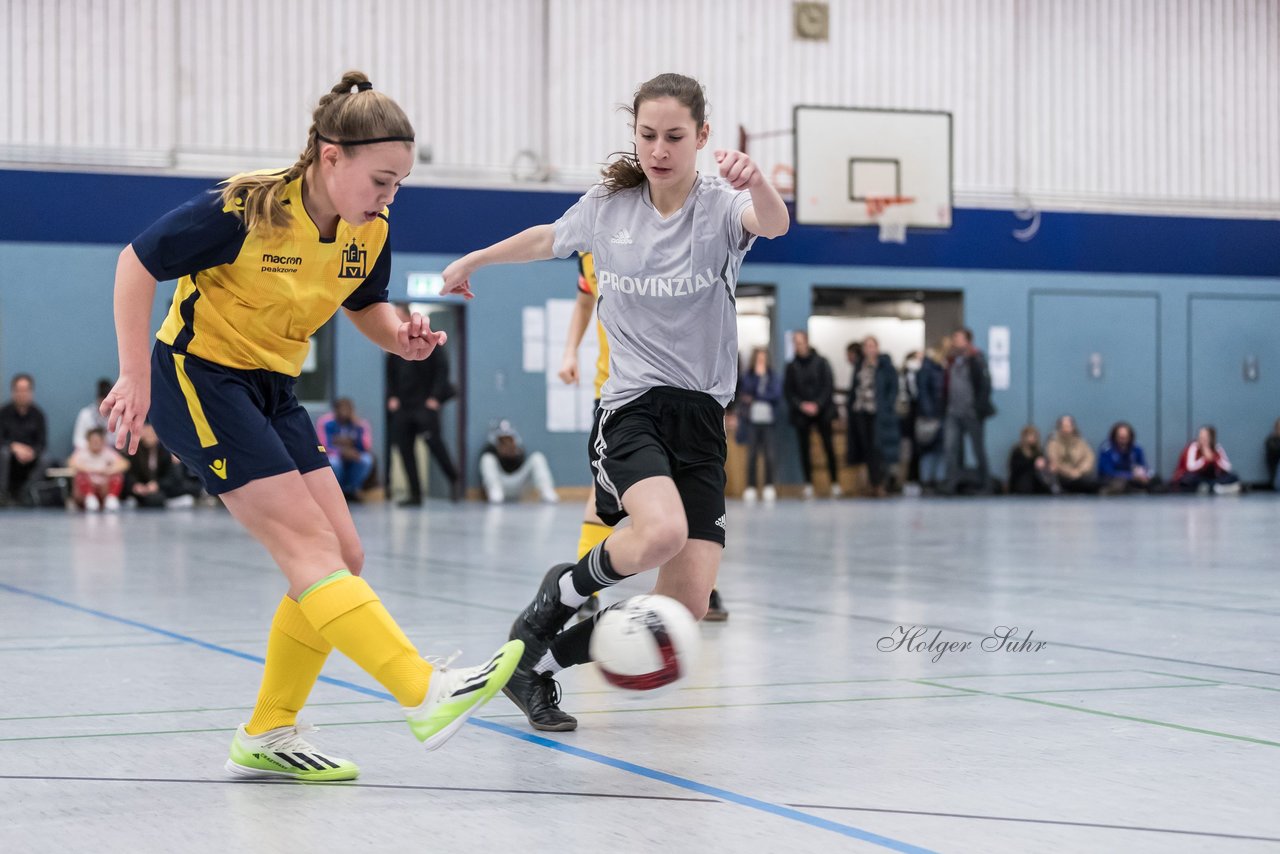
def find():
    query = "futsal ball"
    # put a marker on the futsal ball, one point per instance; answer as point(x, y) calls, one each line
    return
point(644, 643)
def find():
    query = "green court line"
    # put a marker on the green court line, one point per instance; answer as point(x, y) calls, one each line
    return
point(1115, 715)
point(511, 715)
point(1116, 688)
point(1212, 681)
point(174, 711)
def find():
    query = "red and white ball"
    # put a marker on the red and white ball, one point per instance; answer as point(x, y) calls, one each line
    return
point(646, 642)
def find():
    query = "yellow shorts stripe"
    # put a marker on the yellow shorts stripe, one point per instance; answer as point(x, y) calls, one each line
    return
point(203, 430)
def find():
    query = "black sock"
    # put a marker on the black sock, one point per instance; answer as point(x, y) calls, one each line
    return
point(573, 645)
point(595, 571)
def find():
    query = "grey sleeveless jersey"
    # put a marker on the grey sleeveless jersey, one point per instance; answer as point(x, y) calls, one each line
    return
point(666, 285)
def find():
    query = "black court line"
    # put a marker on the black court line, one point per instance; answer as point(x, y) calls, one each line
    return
point(350, 785)
point(1091, 824)
point(883, 622)
point(629, 797)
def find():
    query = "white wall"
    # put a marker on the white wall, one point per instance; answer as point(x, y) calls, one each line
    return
point(1161, 105)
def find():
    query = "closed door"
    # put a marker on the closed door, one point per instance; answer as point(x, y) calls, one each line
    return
point(1235, 376)
point(1095, 356)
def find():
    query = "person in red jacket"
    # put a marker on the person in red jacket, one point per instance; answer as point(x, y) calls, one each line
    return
point(1203, 466)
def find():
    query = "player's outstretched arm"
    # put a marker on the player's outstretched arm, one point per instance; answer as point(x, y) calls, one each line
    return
point(125, 407)
point(532, 244)
point(412, 339)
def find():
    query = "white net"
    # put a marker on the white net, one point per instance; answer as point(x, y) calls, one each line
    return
point(893, 221)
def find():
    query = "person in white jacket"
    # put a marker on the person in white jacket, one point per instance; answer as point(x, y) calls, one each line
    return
point(89, 418)
point(506, 469)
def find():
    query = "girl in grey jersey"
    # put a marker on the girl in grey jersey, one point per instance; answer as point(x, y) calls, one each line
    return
point(668, 244)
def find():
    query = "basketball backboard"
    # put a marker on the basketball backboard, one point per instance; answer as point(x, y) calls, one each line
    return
point(849, 159)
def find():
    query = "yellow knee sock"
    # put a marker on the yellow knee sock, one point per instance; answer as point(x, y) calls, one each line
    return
point(295, 655)
point(592, 534)
point(346, 611)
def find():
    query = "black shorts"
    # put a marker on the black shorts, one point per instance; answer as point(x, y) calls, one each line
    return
point(667, 432)
point(230, 426)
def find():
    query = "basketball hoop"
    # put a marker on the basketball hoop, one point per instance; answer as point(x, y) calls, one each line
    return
point(891, 213)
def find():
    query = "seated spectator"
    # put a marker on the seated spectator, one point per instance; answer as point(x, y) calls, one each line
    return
point(1203, 466)
point(348, 441)
point(1028, 467)
point(505, 468)
point(1071, 460)
point(1272, 448)
point(148, 470)
point(1122, 467)
point(99, 474)
point(90, 417)
point(181, 487)
point(23, 439)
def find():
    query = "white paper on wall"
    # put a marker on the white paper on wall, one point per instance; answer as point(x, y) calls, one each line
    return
point(569, 407)
point(1000, 373)
point(535, 338)
point(998, 342)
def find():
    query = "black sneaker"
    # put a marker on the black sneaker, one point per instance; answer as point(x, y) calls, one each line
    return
point(716, 612)
point(538, 696)
point(542, 618)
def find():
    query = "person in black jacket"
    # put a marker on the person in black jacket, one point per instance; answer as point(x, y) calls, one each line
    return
point(809, 390)
point(23, 439)
point(968, 406)
point(415, 393)
point(874, 437)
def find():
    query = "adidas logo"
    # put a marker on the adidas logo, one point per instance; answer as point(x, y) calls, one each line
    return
point(720, 521)
point(622, 237)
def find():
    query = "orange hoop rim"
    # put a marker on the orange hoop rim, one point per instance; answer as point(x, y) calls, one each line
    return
point(876, 205)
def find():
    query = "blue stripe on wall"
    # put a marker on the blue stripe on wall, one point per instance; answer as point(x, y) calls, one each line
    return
point(73, 207)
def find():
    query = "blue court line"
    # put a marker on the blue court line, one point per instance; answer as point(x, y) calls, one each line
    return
point(620, 764)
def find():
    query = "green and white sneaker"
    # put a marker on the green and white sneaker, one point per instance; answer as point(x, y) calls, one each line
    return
point(453, 695)
point(283, 753)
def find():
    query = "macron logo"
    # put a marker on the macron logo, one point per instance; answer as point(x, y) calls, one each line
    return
point(622, 236)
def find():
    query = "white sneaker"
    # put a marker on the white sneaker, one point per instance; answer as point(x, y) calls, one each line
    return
point(836, 491)
point(181, 501)
point(453, 695)
point(92, 504)
point(284, 753)
point(550, 497)
point(112, 504)
point(1226, 489)
point(749, 495)
point(496, 496)
point(807, 492)
point(770, 495)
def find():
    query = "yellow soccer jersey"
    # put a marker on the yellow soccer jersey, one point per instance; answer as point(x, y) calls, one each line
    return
point(252, 300)
point(587, 284)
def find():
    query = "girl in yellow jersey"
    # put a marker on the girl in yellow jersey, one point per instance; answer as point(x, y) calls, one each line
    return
point(261, 265)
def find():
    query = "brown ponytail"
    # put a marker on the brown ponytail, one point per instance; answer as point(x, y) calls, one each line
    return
point(351, 110)
point(625, 172)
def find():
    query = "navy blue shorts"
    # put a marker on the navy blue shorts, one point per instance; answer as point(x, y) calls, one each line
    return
point(230, 426)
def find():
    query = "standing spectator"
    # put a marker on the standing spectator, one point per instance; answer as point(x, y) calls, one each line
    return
point(1071, 460)
point(930, 381)
point(1272, 448)
point(1028, 467)
point(1122, 466)
point(348, 441)
point(505, 468)
point(90, 417)
point(968, 405)
point(148, 470)
point(759, 391)
point(908, 411)
point(809, 389)
point(416, 391)
point(873, 431)
point(23, 439)
point(1203, 466)
point(99, 474)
